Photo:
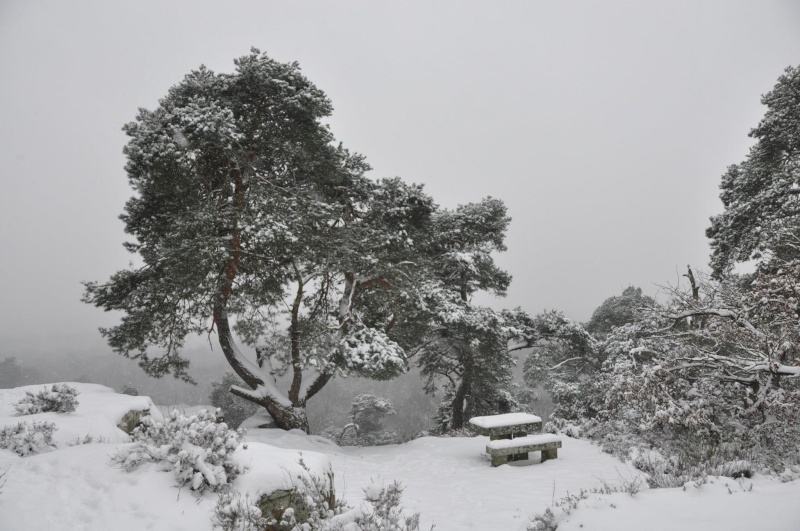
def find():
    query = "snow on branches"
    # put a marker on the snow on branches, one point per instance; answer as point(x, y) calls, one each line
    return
point(371, 353)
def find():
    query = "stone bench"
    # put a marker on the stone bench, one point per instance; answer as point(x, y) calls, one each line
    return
point(500, 449)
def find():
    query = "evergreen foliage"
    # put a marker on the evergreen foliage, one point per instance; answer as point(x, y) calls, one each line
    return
point(246, 207)
point(247, 211)
point(761, 194)
point(618, 311)
point(234, 409)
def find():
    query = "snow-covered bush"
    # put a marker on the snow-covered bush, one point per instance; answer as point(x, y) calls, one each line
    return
point(59, 398)
point(365, 423)
point(237, 512)
point(197, 448)
point(385, 512)
point(693, 464)
point(548, 520)
point(311, 506)
point(25, 438)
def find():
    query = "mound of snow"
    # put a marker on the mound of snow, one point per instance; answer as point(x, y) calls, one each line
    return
point(99, 411)
point(262, 419)
point(78, 487)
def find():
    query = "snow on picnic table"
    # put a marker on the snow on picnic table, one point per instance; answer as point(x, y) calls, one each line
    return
point(506, 419)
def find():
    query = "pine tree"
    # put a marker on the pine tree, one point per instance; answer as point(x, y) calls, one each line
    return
point(469, 347)
point(761, 194)
point(245, 210)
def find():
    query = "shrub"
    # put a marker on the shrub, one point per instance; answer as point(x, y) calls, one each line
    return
point(60, 398)
point(197, 449)
point(695, 464)
point(548, 520)
point(385, 512)
point(311, 506)
point(87, 439)
point(26, 439)
point(235, 512)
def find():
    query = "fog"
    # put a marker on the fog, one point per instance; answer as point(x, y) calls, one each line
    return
point(604, 127)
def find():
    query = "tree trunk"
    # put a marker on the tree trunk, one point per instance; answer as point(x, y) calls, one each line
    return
point(294, 336)
point(462, 392)
point(286, 417)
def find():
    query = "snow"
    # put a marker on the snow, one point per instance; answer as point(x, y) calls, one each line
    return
point(448, 480)
point(451, 482)
point(507, 419)
point(523, 441)
point(99, 411)
point(259, 419)
point(722, 504)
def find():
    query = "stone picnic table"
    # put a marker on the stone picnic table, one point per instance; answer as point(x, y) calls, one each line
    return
point(509, 439)
point(507, 425)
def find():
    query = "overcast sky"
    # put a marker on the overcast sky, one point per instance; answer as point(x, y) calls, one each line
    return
point(603, 126)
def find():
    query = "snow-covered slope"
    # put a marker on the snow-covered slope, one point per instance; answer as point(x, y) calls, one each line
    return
point(448, 480)
point(721, 504)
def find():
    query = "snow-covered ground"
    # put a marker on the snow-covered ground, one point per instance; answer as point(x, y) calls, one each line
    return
point(448, 480)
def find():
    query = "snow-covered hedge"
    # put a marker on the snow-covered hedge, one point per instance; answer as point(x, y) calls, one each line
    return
point(26, 438)
point(59, 398)
point(197, 448)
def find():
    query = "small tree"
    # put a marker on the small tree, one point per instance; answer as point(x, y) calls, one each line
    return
point(468, 347)
point(365, 424)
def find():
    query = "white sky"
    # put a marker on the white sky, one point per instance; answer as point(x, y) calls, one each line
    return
point(604, 126)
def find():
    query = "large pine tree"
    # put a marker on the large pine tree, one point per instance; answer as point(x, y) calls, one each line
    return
point(249, 220)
